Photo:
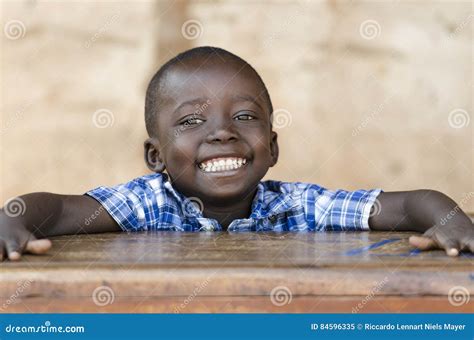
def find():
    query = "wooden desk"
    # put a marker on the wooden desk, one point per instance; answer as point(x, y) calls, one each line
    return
point(223, 272)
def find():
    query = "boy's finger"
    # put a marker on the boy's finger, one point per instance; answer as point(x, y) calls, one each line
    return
point(38, 246)
point(13, 251)
point(452, 251)
point(423, 243)
point(451, 246)
point(14, 255)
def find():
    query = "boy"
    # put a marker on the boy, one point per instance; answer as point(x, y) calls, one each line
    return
point(208, 117)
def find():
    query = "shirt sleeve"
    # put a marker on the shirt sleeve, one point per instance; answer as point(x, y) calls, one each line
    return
point(132, 205)
point(340, 209)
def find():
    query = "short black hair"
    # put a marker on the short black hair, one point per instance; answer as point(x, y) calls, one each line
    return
point(155, 87)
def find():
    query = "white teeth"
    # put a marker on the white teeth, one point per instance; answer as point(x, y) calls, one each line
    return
point(222, 164)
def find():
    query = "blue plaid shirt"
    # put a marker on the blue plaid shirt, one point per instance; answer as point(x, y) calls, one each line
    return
point(151, 203)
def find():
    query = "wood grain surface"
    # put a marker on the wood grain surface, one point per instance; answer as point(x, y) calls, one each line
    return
point(237, 272)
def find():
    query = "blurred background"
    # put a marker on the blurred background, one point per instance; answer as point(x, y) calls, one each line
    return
point(367, 94)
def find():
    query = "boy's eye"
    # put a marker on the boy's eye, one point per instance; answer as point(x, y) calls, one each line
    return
point(192, 121)
point(244, 116)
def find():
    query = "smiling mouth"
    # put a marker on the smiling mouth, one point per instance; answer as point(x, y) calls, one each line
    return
point(222, 164)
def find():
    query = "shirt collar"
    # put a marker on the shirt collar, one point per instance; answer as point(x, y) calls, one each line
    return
point(277, 203)
point(265, 205)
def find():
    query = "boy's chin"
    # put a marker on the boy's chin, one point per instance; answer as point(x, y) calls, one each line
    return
point(226, 194)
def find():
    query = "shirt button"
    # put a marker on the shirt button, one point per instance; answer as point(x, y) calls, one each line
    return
point(272, 219)
point(208, 228)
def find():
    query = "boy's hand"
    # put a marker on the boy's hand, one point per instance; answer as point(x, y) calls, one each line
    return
point(451, 238)
point(56, 215)
point(443, 223)
point(15, 239)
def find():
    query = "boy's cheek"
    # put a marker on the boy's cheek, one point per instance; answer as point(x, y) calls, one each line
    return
point(180, 146)
point(179, 161)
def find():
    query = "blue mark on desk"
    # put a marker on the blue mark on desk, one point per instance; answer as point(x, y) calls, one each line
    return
point(466, 254)
point(375, 245)
point(413, 252)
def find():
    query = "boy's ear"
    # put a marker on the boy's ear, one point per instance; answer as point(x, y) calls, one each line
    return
point(152, 155)
point(274, 148)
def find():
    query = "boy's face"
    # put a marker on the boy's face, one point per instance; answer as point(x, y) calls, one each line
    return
point(212, 112)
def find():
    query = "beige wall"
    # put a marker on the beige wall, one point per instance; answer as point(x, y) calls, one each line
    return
point(370, 94)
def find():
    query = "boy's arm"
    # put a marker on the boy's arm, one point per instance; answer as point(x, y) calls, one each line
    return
point(431, 212)
point(42, 214)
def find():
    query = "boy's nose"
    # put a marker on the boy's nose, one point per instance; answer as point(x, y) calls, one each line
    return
point(222, 133)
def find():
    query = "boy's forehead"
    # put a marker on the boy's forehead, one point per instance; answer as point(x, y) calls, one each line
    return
point(214, 80)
